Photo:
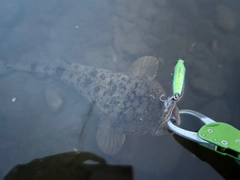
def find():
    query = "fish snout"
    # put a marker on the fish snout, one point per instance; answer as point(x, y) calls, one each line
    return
point(160, 130)
point(162, 127)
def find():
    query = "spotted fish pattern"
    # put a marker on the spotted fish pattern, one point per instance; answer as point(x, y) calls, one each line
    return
point(129, 102)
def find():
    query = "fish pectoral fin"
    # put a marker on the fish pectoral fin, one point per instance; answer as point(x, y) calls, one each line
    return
point(109, 140)
point(145, 66)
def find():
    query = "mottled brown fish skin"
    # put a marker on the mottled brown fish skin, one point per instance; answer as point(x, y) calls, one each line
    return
point(130, 102)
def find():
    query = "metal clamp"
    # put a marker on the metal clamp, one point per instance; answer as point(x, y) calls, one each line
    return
point(190, 135)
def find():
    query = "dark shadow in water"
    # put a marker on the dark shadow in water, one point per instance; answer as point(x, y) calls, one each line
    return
point(70, 165)
point(227, 167)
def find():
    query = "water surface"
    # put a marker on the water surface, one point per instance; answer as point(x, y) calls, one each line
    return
point(111, 34)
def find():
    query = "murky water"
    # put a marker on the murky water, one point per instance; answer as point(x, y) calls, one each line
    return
point(111, 34)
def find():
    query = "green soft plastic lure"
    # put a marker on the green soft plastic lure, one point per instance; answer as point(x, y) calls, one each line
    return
point(178, 80)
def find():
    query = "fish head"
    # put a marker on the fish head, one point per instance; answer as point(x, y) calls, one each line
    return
point(162, 128)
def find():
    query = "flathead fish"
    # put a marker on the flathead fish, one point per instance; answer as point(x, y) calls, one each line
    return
point(129, 102)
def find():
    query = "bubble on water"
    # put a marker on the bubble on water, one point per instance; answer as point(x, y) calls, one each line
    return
point(14, 99)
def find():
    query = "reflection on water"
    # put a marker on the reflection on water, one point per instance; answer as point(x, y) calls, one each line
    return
point(71, 165)
point(111, 35)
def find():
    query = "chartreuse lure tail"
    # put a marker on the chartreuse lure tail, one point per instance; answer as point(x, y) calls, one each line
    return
point(178, 80)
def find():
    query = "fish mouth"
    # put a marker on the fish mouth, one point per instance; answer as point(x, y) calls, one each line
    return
point(162, 127)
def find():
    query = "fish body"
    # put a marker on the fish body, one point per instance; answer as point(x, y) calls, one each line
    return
point(129, 103)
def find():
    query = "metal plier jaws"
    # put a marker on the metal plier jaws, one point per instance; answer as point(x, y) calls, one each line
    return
point(190, 135)
point(218, 136)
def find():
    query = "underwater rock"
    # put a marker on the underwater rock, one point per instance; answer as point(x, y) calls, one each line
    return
point(212, 85)
point(130, 43)
point(121, 24)
point(150, 41)
point(205, 77)
point(225, 18)
point(106, 56)
point(204, 30)
point(53, 99)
